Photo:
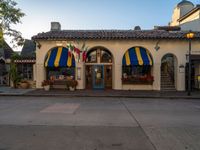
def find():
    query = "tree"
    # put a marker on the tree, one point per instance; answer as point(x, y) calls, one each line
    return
point(14, 76)
point(10, 15)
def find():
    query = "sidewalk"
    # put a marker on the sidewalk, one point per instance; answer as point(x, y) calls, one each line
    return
point(7, 91)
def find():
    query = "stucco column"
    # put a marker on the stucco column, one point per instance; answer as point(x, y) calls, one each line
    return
point(41, 75)
point(34, 72)
point(117, 74)
point(80, 75)
point(156, 74)
point(180, 78)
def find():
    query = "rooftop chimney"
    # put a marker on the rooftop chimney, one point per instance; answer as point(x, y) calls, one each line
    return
point(55, 26)
point(137, 28)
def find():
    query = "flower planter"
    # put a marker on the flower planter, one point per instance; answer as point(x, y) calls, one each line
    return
point(24, 85)
point(47, 87)
point(72, 88)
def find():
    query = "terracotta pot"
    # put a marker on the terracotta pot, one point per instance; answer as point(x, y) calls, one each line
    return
point(24, 85)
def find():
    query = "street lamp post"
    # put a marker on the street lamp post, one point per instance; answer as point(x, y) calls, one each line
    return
point(190, 36)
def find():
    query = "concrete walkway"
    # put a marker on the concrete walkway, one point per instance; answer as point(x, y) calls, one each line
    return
point(7, 91)
point(98, 123)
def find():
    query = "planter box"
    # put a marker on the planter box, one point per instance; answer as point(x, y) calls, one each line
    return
point(47, 87)
point(24, 85)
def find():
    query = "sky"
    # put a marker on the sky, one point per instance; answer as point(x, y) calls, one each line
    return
point(94, 14)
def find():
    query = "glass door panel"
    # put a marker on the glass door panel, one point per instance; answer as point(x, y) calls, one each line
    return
point(98, 77)
point(108, 76)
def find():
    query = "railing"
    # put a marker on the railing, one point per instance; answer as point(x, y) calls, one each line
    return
point(170, 72)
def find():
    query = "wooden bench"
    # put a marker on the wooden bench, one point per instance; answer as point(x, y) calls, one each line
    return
point(59, 84)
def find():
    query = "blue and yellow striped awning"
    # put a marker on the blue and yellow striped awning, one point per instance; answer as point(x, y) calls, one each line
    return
point(137, 56)
point(59, 57)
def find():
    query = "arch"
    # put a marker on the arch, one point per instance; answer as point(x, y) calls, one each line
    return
point(99, 68)
point(137, 55)
point(2, 60)
point(59, 57)
point(60, 64)
point(101, 48)
point(137, 67)
point(169, 63)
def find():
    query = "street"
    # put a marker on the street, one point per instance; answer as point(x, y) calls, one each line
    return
point(59, 123)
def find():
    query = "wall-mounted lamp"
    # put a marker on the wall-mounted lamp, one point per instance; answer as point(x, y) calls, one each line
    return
point(157, 47)
point(38, 44)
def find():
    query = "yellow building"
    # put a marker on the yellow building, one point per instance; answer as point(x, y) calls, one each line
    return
point(116, 59)
point(187, 16)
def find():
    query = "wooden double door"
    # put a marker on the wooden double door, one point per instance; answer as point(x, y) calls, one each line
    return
point(99, 76)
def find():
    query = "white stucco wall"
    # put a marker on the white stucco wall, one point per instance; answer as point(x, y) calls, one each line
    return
point(192, 25)
point(118, 49)
point(192, 17)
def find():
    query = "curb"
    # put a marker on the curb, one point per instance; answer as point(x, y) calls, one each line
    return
point(101, 96)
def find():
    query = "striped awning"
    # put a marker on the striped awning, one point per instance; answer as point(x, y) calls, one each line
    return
point(137, 56)
point(59, 57)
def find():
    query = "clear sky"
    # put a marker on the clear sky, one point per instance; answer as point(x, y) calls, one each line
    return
point(94, 14)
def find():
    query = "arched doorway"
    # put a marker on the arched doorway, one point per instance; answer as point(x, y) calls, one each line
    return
point(60, 65)
point(99, 69)
point(168, 72)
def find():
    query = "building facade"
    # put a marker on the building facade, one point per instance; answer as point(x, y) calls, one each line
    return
point(116, 59)
point(5, 58)
point(186, 15)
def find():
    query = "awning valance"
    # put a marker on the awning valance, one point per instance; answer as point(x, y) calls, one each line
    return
point(137, 56)
point(59, 57)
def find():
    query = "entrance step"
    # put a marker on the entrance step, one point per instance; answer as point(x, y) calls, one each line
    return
point(166, 83)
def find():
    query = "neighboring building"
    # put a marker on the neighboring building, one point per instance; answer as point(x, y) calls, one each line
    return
point(26, 61)
point(187, 16)
point(5, 57)
point(117, 59)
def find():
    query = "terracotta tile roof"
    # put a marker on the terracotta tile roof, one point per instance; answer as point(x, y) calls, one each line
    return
point(112, 34)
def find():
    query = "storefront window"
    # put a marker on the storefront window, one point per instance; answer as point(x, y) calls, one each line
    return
point(137, 75)
point(106, 56)
point(25, 71)
point(61, 73)
point(92, 57)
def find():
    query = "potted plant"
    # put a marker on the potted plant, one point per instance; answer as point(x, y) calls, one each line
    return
point(46, 85)
point(71, 84)
point(150, 79)
point(14, 76)
point(24, 84)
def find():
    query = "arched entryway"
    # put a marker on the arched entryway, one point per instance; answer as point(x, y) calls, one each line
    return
point(99, 68)
point(168, 72)
point(60, 65)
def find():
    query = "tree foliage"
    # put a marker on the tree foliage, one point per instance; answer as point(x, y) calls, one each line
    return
point(14, 75)
point(10, 15)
